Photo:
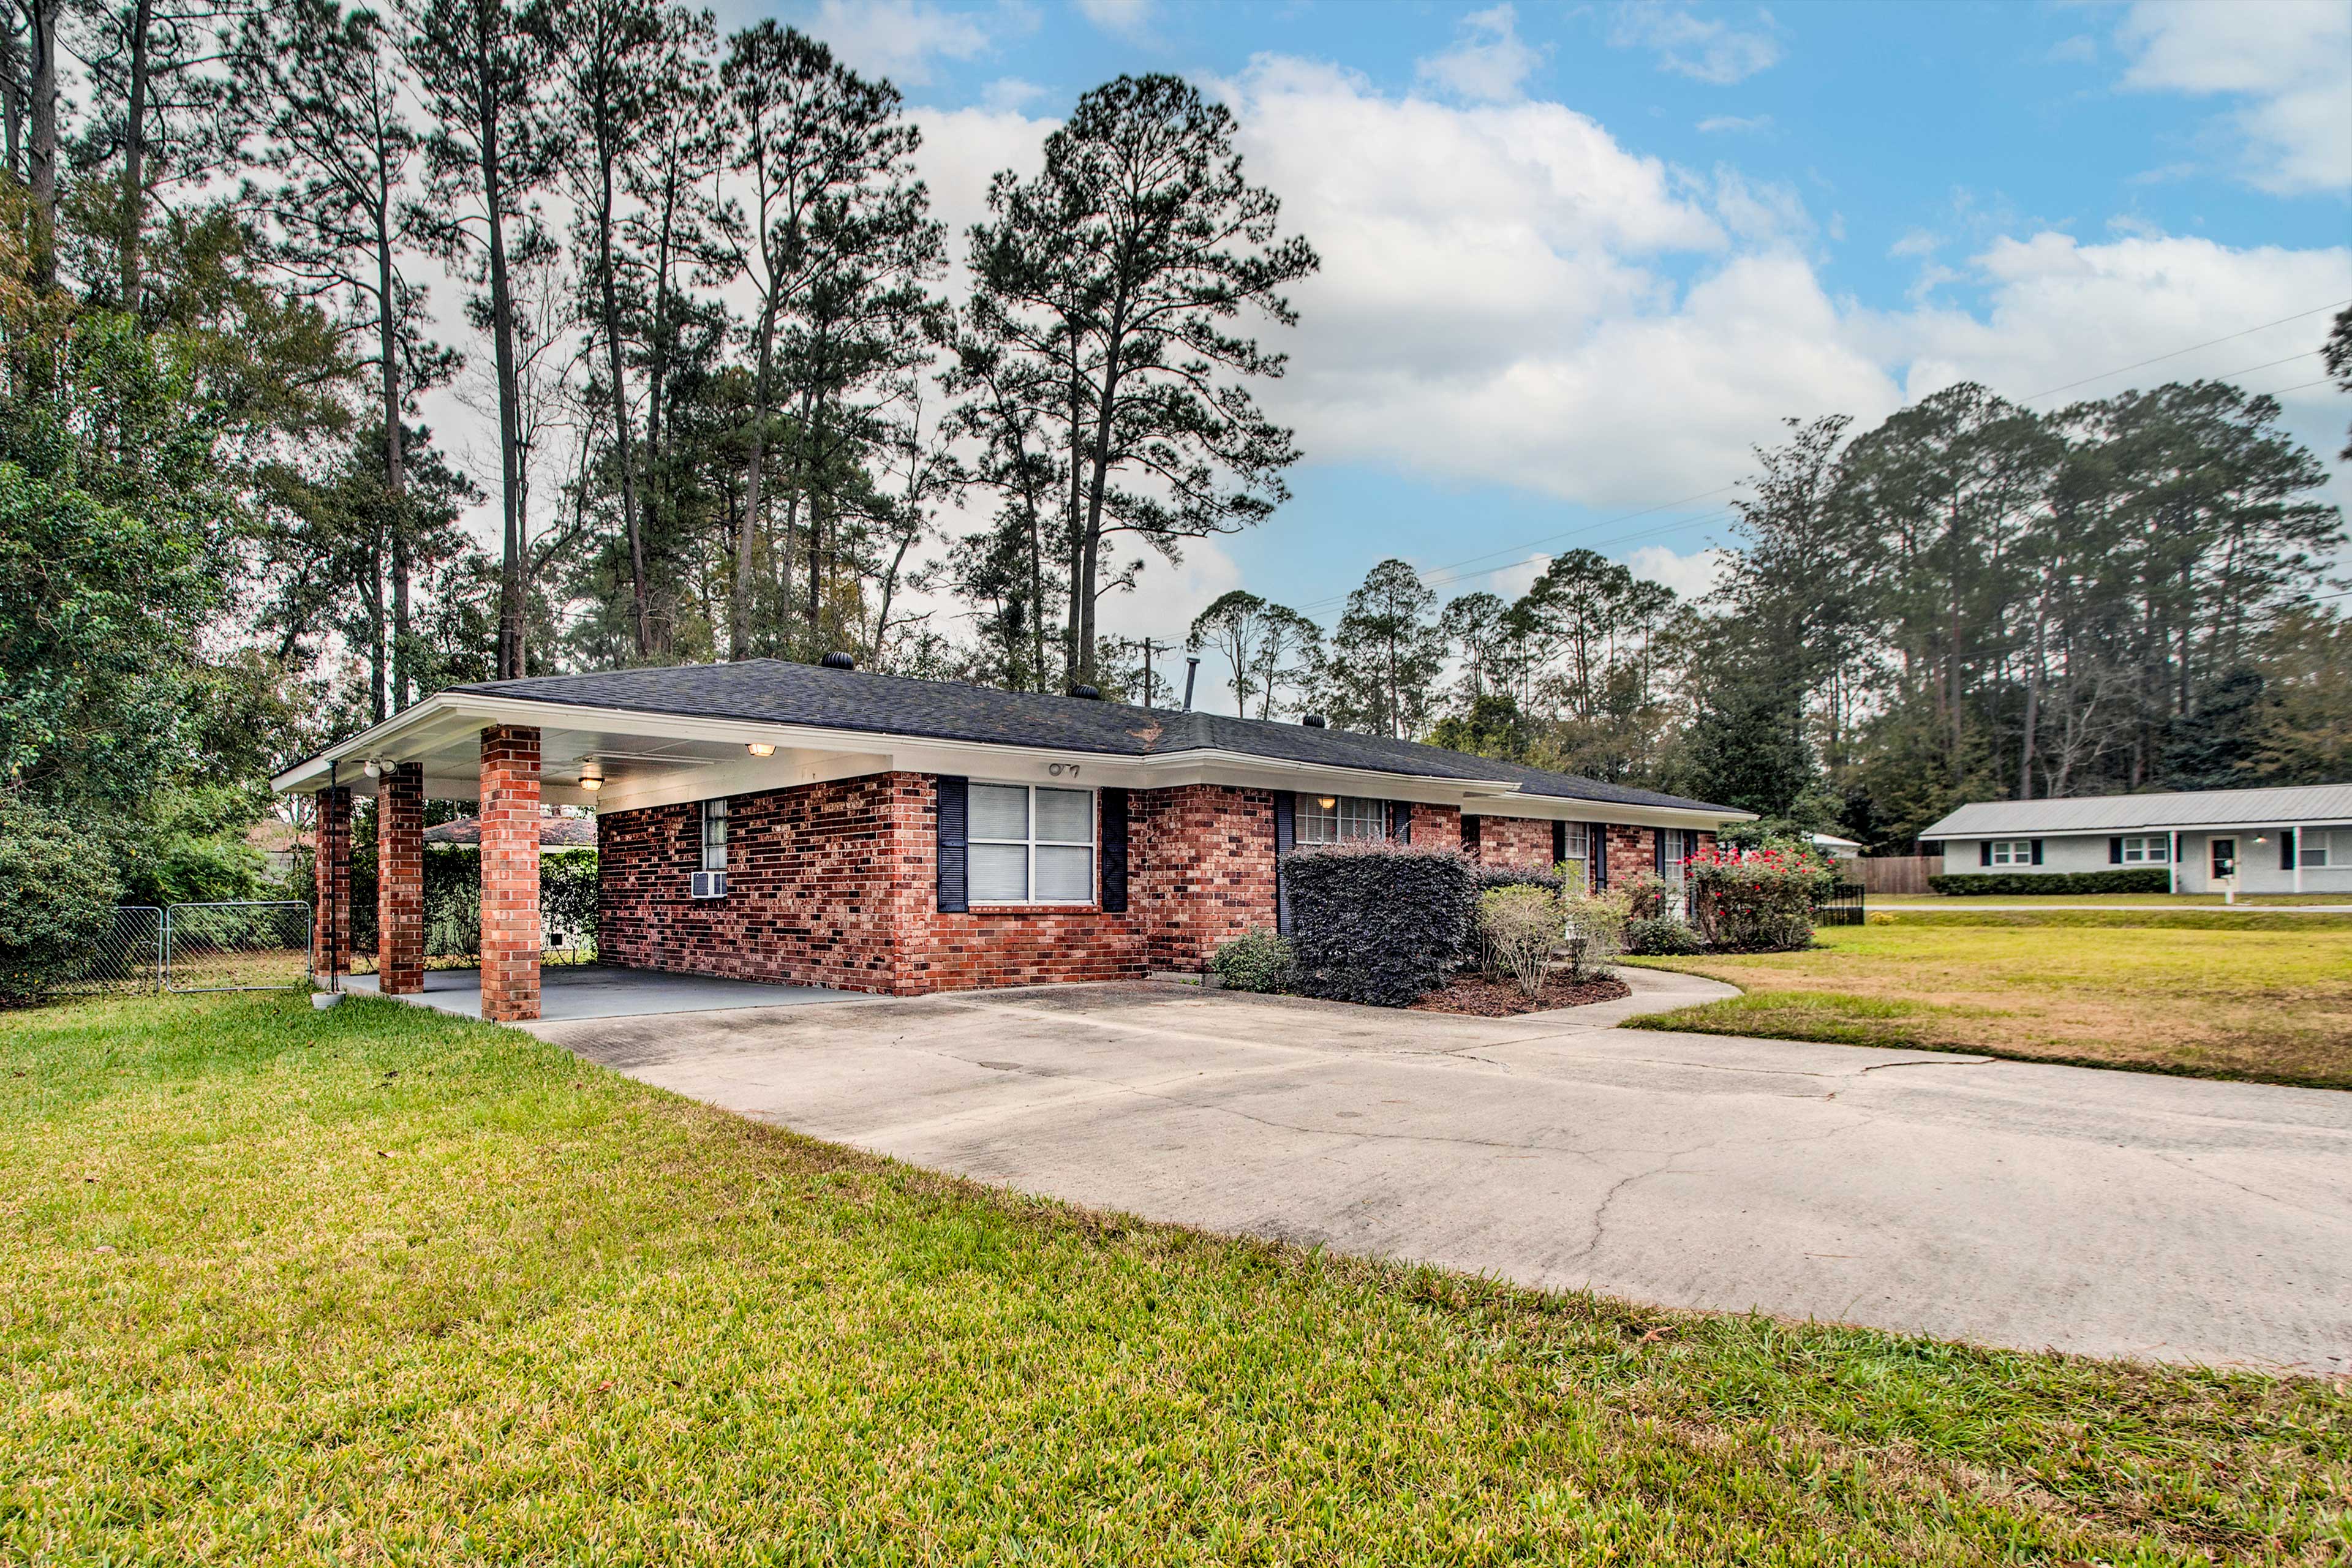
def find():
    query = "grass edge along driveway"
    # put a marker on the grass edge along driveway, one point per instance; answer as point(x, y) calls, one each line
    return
point(291, 1286)
point(2260, 998)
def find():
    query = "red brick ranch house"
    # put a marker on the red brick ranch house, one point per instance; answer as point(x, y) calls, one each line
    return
point(824, 826)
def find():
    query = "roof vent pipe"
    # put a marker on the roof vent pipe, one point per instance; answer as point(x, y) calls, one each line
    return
point(1090, 693)
point(837, 661)
point(1192, 669)
point(1313, 721)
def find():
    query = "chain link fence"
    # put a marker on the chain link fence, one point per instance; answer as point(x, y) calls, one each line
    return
point(244, 946)
point(125, 958)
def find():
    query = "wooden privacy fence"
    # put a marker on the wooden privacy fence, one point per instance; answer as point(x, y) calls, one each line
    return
point(1895, 873)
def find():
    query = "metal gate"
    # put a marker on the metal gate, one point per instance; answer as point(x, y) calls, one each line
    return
point(126, 956)
point(244, 946)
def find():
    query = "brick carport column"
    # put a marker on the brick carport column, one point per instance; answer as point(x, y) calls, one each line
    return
point(400, 879)
point(331, 920)
point(510, 818)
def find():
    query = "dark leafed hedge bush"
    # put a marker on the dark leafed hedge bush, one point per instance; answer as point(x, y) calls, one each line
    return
point(1379, 923)
point(1485, 879)
point(2031, 884)
point(453, 900)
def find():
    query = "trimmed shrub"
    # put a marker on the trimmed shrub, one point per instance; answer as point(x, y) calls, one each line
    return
point(56, 899)
point(1378, 922)
point(1660, 936)
point(1517, 927)
point(1255, 961)
point(1646, 896)
point(2030, 884)
point(1485, 878)
point(1596, 933)
point(1758, 900)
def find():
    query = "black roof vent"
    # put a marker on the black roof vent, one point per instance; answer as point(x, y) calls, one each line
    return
point(838, 661)
point(1313, 721)
point(1091, 693)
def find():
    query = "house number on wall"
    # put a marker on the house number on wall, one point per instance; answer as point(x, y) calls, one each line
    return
point(1063, 770)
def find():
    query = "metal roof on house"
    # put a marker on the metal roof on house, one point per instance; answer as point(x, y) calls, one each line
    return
point(2181, 808)
point(778, 691)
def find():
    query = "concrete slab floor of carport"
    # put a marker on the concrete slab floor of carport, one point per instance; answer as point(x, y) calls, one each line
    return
point(577, 993)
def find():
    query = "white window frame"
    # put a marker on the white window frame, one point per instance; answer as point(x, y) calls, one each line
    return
point(1091, 844)
point(2335, 848)
point(1577, 841)
point(714, 845)
point(2011, 851)
point(2148, 849)
point(1350, 818)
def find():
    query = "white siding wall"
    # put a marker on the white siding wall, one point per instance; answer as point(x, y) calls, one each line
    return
point(2258, 863)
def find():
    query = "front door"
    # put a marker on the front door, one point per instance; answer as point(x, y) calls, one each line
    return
point(2225, 857)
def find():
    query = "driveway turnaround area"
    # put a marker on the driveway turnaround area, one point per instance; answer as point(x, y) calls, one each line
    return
point(2006, 1202)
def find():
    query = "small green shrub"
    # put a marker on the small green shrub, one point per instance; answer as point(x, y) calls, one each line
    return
point(2032, 884)
point(1596, 933)
point(1255, 961)
point(57, 898)
point(1518, 928)
point(1660, 936)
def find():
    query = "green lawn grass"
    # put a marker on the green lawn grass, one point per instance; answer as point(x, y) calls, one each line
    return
point(2266, 997)
point(2097, 901)
point(379, 1284)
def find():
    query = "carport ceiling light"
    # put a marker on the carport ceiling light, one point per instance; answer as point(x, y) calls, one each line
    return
point(592, 775)
point(759, 748)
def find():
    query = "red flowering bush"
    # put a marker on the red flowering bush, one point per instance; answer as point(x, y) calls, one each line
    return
point(1758, 900)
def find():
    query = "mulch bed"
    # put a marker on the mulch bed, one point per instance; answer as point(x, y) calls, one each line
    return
point(1481, 997)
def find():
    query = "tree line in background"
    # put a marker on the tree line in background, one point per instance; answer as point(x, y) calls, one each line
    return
point(738, 386)
point(1971, 600)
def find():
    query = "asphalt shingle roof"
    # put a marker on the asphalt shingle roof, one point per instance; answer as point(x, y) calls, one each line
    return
point(778, 691)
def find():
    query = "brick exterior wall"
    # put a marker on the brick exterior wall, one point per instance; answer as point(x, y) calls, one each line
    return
point(836, 884)
point(331, 923)
point(1201, 860)
point(1435, 826)
point(400, 879)
point(1523, 841)
point(509, 818)
point(1633, 852)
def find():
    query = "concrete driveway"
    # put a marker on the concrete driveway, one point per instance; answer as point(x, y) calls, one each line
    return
point(2012, 1203)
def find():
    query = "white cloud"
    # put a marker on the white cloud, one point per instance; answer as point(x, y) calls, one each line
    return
point(1737, 124)
point(899, 39)
point(962, 150)
point(1693, 576)
point(1697, 47)
point(1128, 18)
point(1489, 63)
point(1511, 295)
point(2287, 59)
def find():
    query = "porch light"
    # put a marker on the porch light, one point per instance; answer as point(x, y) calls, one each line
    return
point(759, 748)
point(592, 775)
point(372, 767)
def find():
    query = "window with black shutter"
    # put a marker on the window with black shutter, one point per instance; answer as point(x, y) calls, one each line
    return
point(954, 832)
point(1114, 851)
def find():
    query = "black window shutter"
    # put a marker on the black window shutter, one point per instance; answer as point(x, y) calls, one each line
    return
point(2116, 851)
point(1658, 850)
point(2037, 852)
point(1114, 851)
point(1596, 853)
point(1285, 839)
point(1984, 851)
point(954, 844)
point(2286, 848)
point(1469, 834)
point(1401, 821)
point(1559, 842)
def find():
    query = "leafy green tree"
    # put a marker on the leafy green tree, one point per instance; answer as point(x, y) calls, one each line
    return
point(1492, 727)
point(1110, 278)
point(1381, 673)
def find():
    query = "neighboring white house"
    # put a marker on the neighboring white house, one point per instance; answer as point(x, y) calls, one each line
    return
point(2290, 840)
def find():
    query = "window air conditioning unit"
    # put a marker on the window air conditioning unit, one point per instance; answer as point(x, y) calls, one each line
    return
point(710, 884)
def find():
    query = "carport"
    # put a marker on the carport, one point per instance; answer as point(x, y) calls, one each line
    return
point(580, 993)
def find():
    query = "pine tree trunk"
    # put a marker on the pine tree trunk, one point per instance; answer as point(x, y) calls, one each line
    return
point(623, 454)
point(134, 156)
point(513, 609)
point(45, 142)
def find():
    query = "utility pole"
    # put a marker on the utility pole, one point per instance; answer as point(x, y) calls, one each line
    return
point(1148, 646)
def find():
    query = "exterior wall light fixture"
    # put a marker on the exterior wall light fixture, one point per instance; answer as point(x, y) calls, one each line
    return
point(760, 749)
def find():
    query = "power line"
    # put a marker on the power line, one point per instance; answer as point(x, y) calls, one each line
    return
point(2191, 349)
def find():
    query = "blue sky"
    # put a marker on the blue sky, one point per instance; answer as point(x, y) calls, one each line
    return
point(1579, 258)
